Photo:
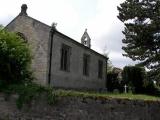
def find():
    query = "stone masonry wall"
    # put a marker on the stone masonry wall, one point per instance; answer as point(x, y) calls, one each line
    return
point(74, 78)
point(76, 108)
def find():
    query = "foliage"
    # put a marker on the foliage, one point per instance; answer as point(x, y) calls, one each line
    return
point(134, 77)
point(29, 92)
point(113, 82)
point(109, 66)
point(1, 26)
point(15, 59)
point(142, 32)
point(109, 63)
point(150, 88)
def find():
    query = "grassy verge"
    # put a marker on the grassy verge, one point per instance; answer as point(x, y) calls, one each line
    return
point(128, 96)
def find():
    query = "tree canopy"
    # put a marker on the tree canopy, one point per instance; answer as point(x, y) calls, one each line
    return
point(142, 32)
point(135, 78)
point(15, 59)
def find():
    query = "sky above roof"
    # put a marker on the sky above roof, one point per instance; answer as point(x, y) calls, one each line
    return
point(73, 17)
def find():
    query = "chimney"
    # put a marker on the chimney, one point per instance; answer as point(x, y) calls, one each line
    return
point(23, 9)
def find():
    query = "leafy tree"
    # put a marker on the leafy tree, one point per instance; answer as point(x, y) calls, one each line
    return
point(109, 66)
point(114, 81)
point(109, 63)
point(142, 32)
point(15, 59)
point(134, 77)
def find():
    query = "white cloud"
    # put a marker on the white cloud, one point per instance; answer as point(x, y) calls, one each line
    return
point(105, 17)
point(104, 22)
point(119, 60)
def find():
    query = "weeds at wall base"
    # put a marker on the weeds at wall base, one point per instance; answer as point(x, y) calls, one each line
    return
point(28, 92)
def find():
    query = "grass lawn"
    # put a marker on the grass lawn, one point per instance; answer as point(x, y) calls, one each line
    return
point(129, 96)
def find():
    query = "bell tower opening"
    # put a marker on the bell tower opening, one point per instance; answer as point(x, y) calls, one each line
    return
point(85, 39)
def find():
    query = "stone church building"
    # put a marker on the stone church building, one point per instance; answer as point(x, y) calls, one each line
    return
point(58, 60)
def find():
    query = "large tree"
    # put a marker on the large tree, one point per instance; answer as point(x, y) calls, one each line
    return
point(142, 32)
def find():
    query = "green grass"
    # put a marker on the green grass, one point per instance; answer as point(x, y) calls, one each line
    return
point(128, 96)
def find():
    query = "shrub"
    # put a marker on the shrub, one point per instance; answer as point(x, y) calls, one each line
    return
point(29, 92)
point(15, 59)
point(134, 77)
point(113, 82)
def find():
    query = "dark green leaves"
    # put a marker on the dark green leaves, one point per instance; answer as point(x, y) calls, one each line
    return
point(142, 31)
point(15, 58)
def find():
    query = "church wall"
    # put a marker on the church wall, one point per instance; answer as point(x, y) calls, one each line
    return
point(37, 35)
point(75, 78)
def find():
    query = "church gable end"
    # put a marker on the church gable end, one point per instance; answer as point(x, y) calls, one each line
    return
point(37, 35)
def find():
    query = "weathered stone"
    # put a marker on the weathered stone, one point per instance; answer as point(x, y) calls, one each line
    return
point(72, 108)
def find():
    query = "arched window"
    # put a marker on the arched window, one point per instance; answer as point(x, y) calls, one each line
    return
point(21, 35)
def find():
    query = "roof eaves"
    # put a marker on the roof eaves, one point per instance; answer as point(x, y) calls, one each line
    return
point(81, 45)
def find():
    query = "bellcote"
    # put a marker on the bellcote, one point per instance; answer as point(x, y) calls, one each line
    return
point(85, 39)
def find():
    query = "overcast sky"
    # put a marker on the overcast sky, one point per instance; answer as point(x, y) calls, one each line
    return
point(72, 17)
